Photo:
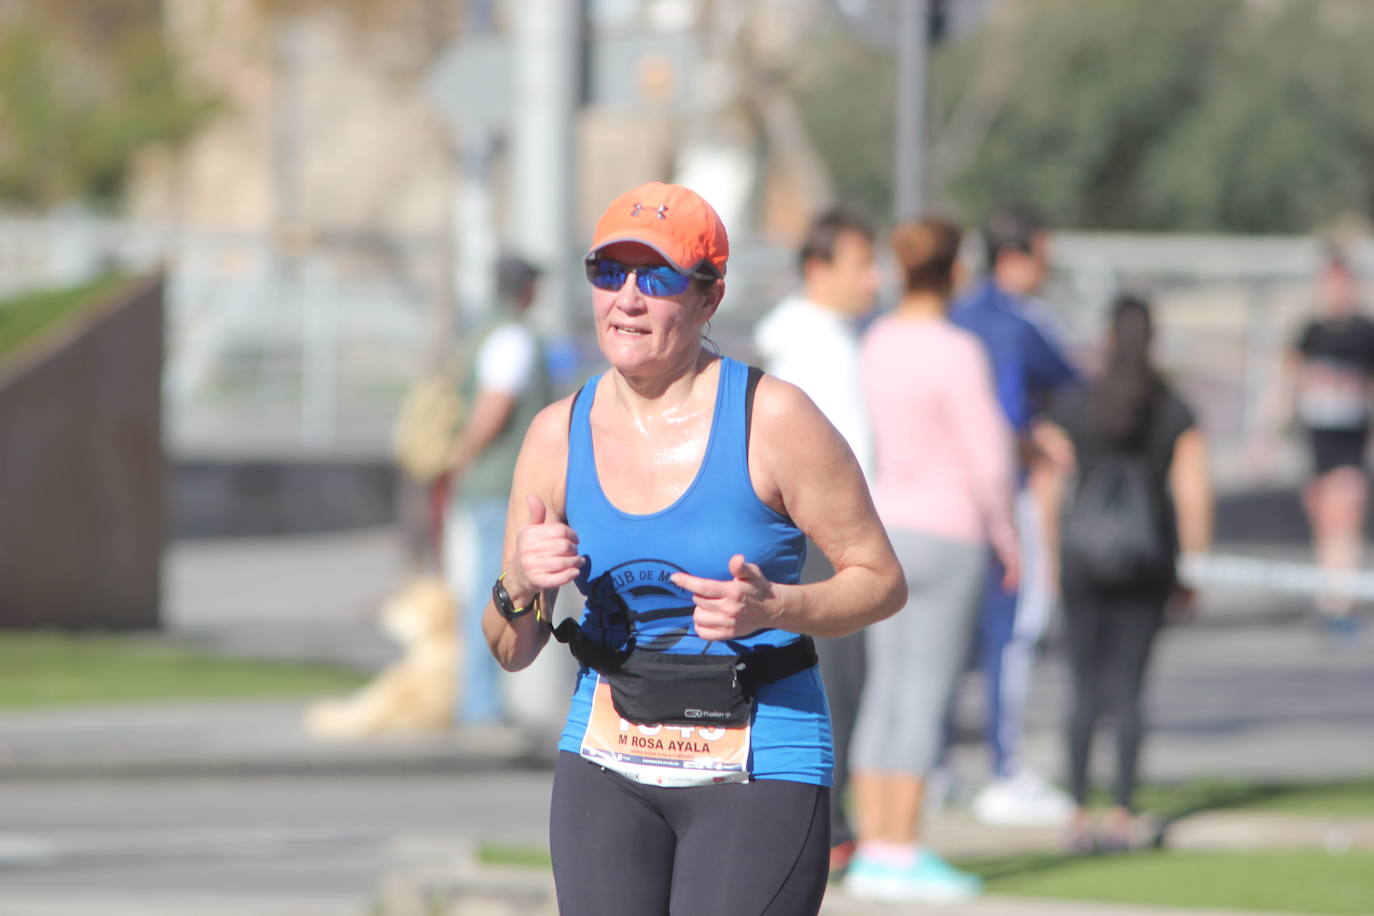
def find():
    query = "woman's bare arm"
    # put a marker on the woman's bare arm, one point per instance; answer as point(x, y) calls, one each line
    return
point(540, 549)
point(803, 468)
point(1275, 413)
point(1190, 480)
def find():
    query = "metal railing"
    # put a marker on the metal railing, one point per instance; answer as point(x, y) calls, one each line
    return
point(312, 345)
point(269, 346)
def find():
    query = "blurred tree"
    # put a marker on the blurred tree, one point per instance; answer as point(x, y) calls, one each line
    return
point(1204, 115)
point(83, 87)
point(1097, 88)
point(1281, 141)
point(847, 91)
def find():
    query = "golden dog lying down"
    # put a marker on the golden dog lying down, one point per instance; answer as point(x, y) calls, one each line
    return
point(414, 694)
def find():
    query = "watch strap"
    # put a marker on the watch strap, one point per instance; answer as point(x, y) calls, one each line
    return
point(505, 606)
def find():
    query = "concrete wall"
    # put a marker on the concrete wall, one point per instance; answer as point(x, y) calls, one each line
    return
point(82, 473)
point(233, 496)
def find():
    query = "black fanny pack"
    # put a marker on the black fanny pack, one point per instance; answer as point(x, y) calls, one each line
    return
point(667, 689)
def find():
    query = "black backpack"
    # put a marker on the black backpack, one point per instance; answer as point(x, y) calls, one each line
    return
point(1115, 533)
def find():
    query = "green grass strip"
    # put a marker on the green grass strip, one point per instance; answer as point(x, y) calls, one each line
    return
point(1292, 881)
point(1284, 881)
point(504, 854)
point(1350, 797)
point(45, 670)
point(27, 316)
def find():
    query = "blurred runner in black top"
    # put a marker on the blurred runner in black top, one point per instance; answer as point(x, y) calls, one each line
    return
point(1336, 360)
point(1325, 388)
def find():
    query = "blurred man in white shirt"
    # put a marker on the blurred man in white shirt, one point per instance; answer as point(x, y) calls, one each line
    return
point(811, 339)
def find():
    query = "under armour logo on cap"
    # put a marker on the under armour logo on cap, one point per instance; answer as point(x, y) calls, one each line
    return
point(691, 235)
point(661, 210)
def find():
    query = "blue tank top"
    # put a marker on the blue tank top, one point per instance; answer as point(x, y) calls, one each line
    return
point(630, 558)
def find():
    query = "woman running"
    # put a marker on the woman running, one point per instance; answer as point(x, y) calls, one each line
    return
point(676, 490)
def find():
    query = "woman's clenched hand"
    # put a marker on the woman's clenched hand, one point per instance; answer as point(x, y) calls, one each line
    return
point(730, 608)
point(546, 554)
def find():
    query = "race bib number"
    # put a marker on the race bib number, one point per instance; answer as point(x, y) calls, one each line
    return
point(1333, 395)
point(672, 756)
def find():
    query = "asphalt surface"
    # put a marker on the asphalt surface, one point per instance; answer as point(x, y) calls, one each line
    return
point(264, 845)
point(181, 808)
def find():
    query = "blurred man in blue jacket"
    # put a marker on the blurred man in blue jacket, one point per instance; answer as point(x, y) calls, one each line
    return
point(1028, 364)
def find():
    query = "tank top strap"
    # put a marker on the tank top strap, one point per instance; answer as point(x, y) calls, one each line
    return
point(728, 458)
point(580, 485)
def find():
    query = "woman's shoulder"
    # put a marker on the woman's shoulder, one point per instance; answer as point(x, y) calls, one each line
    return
point(940, 334)
point(962, 342)
point(1068, 404)
point(1175, 412)
point(549, 428)
point(776, 399)
point(783, 415)
point(1364, 325)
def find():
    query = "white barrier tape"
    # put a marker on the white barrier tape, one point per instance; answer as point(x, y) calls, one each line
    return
point(1211, 570)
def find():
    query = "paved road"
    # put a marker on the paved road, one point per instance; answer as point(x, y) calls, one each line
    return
point(306, 596)
point(1267, 700)
point(256, 846)
point(1252, 690)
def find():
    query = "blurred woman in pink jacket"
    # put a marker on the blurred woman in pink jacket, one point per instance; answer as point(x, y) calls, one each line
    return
point(943, 488)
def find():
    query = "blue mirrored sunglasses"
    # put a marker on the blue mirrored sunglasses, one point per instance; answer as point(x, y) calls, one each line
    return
point(655, 280)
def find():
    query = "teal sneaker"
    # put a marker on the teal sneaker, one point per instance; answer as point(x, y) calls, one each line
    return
point(930, 879)
point(866, 879)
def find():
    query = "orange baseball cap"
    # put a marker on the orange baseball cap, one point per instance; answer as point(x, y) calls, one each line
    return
point(676, 222)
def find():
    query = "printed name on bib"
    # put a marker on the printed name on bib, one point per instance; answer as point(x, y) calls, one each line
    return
point(664, 755)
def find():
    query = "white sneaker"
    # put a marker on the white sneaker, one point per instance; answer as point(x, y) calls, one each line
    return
point(1024, 800)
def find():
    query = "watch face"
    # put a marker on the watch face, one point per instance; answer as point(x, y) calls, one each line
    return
point(504, 606)
point(501, 598)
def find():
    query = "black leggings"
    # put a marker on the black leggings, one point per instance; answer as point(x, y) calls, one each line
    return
point(1337, 448)
point(1110, 636)
point(744, 849)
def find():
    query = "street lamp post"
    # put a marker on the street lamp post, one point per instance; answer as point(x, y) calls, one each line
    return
point(909, 155)
point(546, 44)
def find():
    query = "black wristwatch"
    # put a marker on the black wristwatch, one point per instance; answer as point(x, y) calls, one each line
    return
point(504, 606)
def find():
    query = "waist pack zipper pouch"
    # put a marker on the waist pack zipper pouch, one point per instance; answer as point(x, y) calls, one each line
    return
point(664, 689)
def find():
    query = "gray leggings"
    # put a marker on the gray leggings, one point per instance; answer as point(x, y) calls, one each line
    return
point(916, 656)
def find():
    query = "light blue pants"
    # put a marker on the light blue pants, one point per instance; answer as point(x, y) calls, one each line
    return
point(474, 535)
point(1010, 626)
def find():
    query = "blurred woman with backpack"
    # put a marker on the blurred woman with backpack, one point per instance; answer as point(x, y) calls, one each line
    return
point(1142, 496)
